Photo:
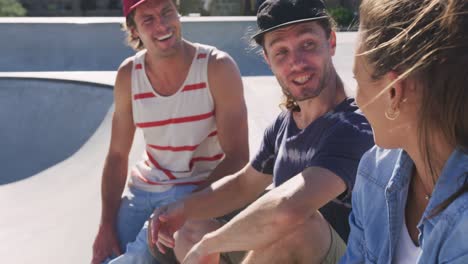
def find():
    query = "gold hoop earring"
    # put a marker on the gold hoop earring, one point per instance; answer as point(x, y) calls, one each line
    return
point(392, 114)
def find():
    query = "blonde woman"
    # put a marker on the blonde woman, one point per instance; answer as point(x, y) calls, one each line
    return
point(410, 201)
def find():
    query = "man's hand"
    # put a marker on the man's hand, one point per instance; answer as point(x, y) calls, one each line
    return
point(165, 222)
point(197, 255)
point(105, 245)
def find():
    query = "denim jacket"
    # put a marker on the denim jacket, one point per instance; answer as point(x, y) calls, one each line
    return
point(379, 200)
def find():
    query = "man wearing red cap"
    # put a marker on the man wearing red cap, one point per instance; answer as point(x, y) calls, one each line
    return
point(187, 98)
point(310, 153)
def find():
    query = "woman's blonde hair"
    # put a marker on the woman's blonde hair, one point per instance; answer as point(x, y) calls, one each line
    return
point(425, 41)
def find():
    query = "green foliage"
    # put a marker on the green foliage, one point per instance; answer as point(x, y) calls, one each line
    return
point(342, 16)
point(9, 8)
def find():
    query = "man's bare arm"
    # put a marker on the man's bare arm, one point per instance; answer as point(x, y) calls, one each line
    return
point(116, 165)
point(227, 194)
point(276, 213)
point(230, 113)
point(222, 197)
point(123, 130)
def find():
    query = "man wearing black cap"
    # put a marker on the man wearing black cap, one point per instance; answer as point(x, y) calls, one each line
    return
point(311, 154)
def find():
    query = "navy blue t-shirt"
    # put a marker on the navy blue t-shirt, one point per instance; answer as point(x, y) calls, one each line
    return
point(335, 141)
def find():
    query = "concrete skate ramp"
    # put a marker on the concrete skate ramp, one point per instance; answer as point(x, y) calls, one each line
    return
point(45, 122)
point(54, 134)
point(51, 215)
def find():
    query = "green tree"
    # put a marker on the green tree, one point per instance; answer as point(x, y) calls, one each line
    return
point(342, 16)
point(10, 8)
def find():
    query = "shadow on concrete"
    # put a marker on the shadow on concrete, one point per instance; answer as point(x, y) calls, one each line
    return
point(46, 121)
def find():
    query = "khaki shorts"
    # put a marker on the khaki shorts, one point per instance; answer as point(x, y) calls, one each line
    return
point(232, 257)
point(337, 248)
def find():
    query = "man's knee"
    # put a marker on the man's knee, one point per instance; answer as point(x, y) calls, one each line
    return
point(133, 257)
point(307, 243)
point(190, 234)
point(315, 236)
point(314, 230)
point(318, 226)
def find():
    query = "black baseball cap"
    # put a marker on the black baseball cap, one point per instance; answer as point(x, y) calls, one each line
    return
point(274, 14)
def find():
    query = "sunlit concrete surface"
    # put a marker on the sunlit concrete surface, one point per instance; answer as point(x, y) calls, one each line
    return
point(51, 214)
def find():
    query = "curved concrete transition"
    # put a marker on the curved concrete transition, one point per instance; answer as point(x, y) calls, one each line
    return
point(57, 134)
point(54, 137)
point(45, 122)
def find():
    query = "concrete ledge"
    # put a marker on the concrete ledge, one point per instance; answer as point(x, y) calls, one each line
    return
point(54, 80)
point(94, 20)
point(102, 78)
point(98, 44)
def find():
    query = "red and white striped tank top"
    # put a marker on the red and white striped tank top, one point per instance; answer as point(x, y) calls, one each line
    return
point(180, 133)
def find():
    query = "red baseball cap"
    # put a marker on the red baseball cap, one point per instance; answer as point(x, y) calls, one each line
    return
point(130, 5)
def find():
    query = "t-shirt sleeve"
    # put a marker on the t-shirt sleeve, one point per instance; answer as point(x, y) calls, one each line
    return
point(264, 160)
point(341, 150)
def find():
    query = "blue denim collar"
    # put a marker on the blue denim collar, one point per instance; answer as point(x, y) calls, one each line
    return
point(377, 216)
point(453, 176)
point(401, 173)
point(396, 192)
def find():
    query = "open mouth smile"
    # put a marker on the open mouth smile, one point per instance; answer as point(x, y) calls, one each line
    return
point(165, 37)
point(302, 79)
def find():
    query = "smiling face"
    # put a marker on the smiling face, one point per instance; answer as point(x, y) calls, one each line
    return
point(158, 26)
point(300, 57)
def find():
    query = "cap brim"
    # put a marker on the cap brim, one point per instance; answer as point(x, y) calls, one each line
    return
point(135, 6)
point(286, 24)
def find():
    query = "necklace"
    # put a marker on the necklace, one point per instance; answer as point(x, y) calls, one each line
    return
point(427, 195)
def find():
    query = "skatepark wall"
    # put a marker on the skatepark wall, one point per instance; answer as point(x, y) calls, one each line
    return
point(98, 44)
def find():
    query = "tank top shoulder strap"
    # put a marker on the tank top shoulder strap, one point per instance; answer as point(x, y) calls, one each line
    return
point(139, 83)
point(139, 57)
point(200, 63)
